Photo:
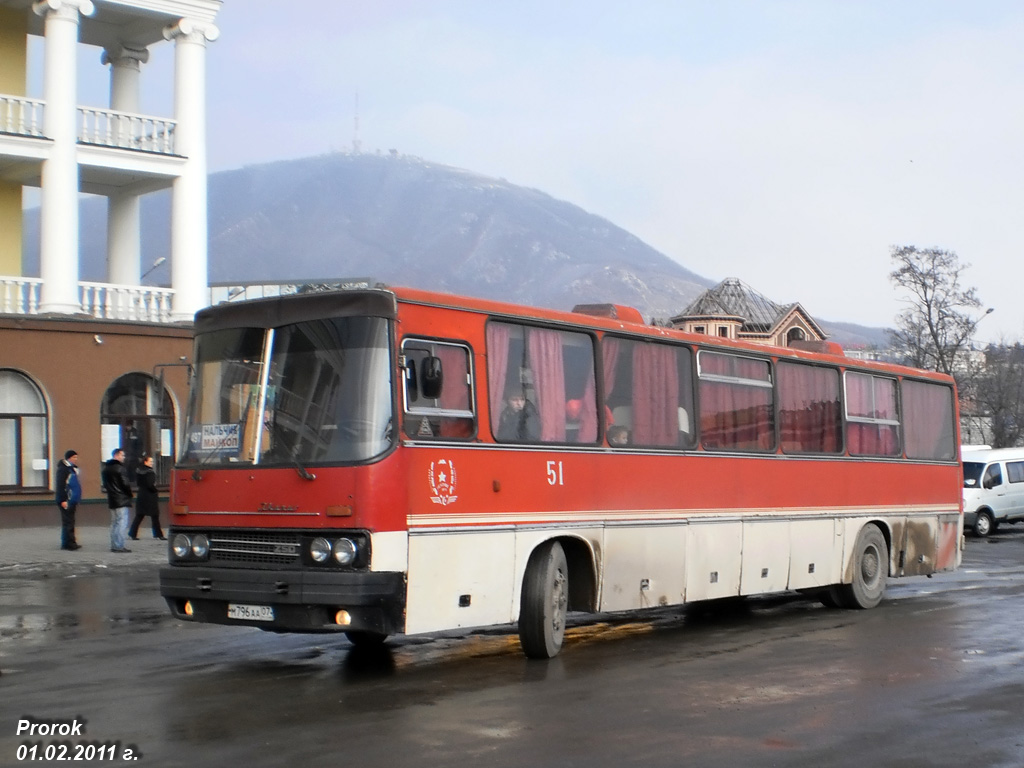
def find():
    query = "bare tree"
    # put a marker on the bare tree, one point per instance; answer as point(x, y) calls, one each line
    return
point(936, 329)
point(1000, 393)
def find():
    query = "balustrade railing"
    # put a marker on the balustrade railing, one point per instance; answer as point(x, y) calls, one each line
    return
point(110, 128)
point(141, 303)
point(21, 116)
point(20, 295)
point(144, 303)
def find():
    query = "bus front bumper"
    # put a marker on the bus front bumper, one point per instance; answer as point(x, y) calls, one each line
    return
point(299, 600)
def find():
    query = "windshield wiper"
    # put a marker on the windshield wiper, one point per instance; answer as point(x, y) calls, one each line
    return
point(275, 433)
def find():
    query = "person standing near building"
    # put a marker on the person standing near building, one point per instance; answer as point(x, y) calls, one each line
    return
point(119, 499)
point(69, 493)
point(148, 501)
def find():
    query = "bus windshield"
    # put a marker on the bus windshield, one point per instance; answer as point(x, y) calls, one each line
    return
point(972, 473)
point(313, 392)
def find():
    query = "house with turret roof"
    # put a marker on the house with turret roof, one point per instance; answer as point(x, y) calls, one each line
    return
point(734, 310)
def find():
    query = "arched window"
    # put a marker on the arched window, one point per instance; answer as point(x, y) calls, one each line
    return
point(138, 415)
point(795, 334)
point(23, 431)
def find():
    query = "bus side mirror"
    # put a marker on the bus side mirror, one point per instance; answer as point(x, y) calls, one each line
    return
point(431, 377)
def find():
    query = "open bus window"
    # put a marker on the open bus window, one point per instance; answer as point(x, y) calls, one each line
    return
point(449, 415)
point(737, 411)
point(928, 420)
point(872, 420)
point(221, 418)
point(810, 411)
point(541, 385)
point(649, 393)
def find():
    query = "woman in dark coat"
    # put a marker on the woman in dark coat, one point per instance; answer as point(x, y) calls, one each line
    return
point(147, 502)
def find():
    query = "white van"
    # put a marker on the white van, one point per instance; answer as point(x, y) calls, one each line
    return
point(993, 487)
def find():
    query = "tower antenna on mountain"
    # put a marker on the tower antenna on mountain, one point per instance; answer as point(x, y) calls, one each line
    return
point(357, 144)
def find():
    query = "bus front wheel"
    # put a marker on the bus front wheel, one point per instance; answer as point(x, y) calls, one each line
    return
point(870, 571)
point(983, 524)
point(544, 603)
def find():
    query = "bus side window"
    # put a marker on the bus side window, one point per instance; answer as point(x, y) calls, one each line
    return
point(541, 385)
point(872, 427)
point(737, 402)
point(649, 388)
point(810, 408)
point(450, 415)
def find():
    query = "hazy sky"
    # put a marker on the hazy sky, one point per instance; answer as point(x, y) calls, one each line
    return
point(786, 143)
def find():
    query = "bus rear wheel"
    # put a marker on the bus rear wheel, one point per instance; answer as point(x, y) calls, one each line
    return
point(544, 604)
point(364, 639)
point(870, 571)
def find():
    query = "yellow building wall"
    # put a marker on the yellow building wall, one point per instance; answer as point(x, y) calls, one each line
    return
point(13, 51)
point(13, 61)
point(10, 229)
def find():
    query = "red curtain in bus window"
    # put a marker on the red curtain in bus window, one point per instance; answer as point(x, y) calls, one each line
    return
point(809, 411)
point(497, 367)
point(548, 368)
point(871, 397)
point(455, 390)
point(736, 415)
point(655, 395)
point(610, 353)
point(928, 420)
point(588, 414)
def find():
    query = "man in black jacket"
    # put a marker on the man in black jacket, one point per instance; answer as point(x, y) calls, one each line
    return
point(119, 499)
point(69, 493)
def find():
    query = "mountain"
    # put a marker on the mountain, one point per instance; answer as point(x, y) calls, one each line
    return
point(853, 336)
point(407, 222)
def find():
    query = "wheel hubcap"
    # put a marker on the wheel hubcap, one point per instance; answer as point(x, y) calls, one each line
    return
point(559, 600)
point(869, 567)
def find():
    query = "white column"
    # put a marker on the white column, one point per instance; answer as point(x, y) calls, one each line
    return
point(123, 228)
point(188, 195)
point(58, 215)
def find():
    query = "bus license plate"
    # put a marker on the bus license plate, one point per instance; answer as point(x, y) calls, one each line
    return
point(250, 612)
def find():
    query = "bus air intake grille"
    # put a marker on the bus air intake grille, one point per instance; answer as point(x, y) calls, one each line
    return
point(270, 548)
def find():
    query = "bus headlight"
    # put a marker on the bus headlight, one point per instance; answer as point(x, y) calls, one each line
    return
point(344, 551)
point(319, 549)
point(181, 546)
point(200, 546)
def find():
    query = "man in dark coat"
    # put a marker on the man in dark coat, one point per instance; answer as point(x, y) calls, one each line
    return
point(69, 493)
point(119, 499)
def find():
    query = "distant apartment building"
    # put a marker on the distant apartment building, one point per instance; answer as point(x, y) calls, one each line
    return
point(94, 365)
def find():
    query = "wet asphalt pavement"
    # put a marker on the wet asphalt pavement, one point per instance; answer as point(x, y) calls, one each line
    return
point(934, 677)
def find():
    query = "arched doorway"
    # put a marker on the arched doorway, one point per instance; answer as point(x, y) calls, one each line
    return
point(138, 416)
point(23, 431)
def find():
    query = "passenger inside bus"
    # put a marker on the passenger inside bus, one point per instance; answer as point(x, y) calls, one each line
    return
point(519, 420)
point(618, 435)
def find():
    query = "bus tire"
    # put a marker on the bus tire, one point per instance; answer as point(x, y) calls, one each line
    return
point(544, 603)
point(983, 525)
point(363, 639)
point(870, 571)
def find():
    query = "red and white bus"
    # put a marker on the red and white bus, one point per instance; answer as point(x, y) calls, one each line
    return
point(380, 461)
